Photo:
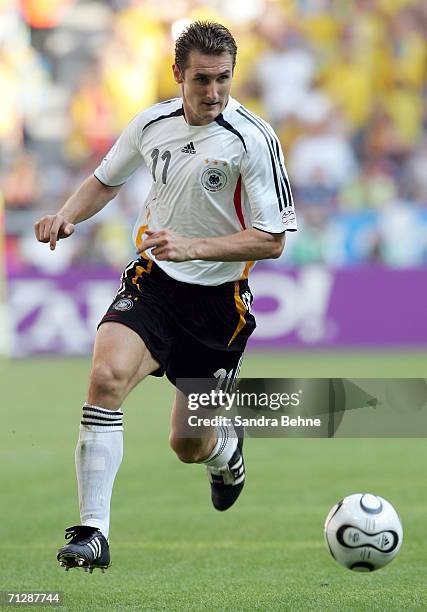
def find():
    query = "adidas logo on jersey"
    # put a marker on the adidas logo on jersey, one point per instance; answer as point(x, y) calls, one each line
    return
point(189, 149)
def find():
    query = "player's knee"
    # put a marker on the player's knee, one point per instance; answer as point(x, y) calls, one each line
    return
point(108, 380)
point(187, 450)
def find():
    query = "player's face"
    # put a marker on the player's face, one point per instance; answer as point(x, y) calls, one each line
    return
point(205, 84)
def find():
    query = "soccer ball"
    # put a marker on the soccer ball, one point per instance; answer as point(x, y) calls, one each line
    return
point(363, 532)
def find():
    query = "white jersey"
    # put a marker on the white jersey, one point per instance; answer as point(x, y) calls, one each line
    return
point(209, 180)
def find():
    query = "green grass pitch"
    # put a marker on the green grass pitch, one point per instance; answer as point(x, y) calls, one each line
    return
point(170, 549)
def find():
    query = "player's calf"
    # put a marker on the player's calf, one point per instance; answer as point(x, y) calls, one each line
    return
point(192, 450)
point(222, 453)
point(219, 448)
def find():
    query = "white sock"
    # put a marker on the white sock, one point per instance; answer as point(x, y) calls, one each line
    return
point(224, 448)
point(98, 456)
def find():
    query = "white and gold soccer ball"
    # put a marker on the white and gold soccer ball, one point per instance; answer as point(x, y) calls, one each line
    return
point(363, 532)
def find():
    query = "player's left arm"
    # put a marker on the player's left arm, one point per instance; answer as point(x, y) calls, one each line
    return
point(247, 245)
point(269, 194)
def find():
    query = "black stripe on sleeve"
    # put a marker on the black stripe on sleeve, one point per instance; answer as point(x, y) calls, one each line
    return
point(222, 122)
point(284, 177)
point(105, 184)
point(287, 199)
point(272, 156)
point(269, 232)
point(177, 113)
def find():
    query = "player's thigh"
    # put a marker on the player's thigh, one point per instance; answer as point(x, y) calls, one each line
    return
point(195, 369)
point(122, 353)
point(192, 361)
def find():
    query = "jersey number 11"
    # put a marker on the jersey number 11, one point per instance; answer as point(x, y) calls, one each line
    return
point(166, 157)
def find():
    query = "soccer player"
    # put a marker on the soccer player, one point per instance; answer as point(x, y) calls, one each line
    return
point(220, 200)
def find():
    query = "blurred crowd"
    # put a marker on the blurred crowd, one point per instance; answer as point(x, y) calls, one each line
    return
point(343, 84)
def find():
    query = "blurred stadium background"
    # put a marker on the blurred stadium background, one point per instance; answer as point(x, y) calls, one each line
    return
point(343, 84)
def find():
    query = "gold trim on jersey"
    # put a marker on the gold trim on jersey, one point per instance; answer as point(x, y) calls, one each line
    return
point(249, 265)
point(141, 231)
point(241, 310)
point(139, 270)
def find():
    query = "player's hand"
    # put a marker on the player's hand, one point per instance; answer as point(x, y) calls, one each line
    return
point(167, 246)
point(52, 228)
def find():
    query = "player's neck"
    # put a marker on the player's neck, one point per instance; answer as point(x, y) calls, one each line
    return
point(194, 120)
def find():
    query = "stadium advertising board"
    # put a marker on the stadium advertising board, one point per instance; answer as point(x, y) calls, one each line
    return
point(309, 307)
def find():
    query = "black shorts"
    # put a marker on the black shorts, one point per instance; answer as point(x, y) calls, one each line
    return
point(193, 331)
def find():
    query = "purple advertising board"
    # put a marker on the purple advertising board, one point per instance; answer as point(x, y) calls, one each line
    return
point(349, 307)
point(313, 306)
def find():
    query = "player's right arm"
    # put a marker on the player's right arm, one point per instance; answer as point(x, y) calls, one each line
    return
point(90, 198)
point(96, 191)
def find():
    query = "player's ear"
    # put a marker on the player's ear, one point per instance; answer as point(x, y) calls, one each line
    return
point(177, 74)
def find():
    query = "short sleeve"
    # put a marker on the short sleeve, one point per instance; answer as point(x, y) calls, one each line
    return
point(267, 185)
point(122, 159)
